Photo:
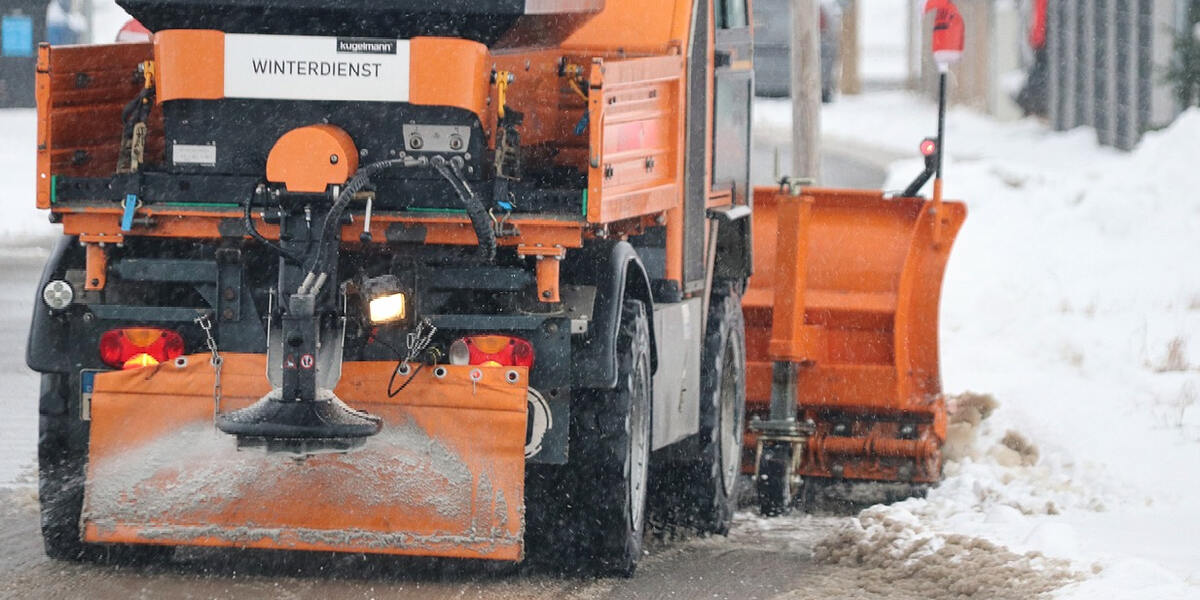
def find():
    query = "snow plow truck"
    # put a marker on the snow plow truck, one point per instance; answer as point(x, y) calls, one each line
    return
point(462, 279)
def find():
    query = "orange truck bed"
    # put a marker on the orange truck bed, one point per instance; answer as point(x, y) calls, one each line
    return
point(846, 283)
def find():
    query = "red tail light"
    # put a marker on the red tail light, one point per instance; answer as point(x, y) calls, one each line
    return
point(492, 351)
point(134, 347)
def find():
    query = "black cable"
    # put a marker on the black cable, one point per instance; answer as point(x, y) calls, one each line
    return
point(329, 228)
point(481, 221)
point(393, 393)
point(396, 371)
point(248, 223)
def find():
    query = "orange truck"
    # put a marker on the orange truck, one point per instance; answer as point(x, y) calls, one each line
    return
point(462, 279)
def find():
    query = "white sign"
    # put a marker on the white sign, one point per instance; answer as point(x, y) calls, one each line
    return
point(194, 154)
point(289, 67)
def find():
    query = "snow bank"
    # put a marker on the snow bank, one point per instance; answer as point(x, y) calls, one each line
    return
point(1072, 296)
point(22, 225)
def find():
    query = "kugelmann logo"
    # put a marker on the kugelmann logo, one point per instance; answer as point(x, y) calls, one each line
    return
point(365, 46)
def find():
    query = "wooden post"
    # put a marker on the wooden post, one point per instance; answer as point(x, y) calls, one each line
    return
point(806, 89)
point(851, 77)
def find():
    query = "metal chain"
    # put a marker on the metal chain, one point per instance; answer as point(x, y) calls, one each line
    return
point(419, 339)
point(216, 361)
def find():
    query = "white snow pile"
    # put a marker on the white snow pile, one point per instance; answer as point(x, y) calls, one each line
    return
point(1073, 297)
point(22, 225)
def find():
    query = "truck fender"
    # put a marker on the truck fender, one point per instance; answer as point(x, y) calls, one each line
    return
point(617, 272)
point(45, 351)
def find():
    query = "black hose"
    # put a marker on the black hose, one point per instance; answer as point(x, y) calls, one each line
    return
point(248, 223)
point(329, 229)
point(481, 221)
point(136, 111)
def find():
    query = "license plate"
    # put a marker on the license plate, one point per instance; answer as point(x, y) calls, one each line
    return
point(87, 384)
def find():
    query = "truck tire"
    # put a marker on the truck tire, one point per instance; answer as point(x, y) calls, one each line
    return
point(711, 478)
point(610, 446)
point(61, 469)
point(62, 472)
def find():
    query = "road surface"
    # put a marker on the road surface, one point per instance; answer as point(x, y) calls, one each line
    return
point(760, 559)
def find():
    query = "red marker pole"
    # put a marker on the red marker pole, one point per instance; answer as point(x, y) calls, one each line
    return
point(948, 43)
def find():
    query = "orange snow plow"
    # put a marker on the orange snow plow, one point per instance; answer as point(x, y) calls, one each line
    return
point(445, 478)
point(845, 294)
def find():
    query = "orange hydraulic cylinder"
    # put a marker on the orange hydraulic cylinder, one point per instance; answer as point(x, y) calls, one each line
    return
point(788, 341)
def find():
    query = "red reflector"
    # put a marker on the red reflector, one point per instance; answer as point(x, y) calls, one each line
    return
point(499, 350)
point(134, 347)
point(928, 147)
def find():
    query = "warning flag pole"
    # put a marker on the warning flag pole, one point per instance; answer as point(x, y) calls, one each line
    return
point(948, 43)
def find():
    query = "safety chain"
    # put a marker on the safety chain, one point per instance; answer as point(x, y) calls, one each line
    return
point(418, 339)
point(216, 361)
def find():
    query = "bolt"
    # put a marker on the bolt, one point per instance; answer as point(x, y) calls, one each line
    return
point(228, 294)
point(547, 293)
point(333, 159)
point(227, 314)
point(550, 327)
point(88, 317)
point(95, 282)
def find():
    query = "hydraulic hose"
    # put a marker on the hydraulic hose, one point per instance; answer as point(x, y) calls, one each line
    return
point(329, 229)
point(451, 171)
point(248, 224)
point(481, 221)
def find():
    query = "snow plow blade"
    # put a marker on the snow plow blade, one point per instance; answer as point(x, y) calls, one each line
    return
point(445, 477)
point(846, 285)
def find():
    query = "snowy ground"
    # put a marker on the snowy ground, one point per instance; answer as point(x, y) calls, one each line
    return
point(1073, 297)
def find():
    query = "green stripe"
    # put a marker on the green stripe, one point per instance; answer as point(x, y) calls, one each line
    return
point(457, 211)
point(203, 204)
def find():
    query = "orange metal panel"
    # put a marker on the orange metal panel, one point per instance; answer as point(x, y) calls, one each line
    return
point(44, 106)
point(445, 477)
point(451, 229)
point(449, 72)
point(190, 63)
point(635, 26)
point(311, 158)
point(636, 136)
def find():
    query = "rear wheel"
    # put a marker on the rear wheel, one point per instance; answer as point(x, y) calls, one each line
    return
point(61, 467)
point(610, 449)
point(62, 471)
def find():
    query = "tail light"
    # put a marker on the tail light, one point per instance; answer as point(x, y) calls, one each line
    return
point(134, 347)
point(491, 351)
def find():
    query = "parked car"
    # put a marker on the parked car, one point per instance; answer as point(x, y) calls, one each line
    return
point(773, 51)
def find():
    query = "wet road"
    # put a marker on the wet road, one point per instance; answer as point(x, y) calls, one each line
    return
point(760, 559)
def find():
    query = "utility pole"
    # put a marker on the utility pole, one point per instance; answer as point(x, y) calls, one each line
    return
point(914, 24)
point(806, 89)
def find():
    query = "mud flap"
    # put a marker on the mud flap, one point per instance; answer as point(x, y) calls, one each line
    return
point(445, 477)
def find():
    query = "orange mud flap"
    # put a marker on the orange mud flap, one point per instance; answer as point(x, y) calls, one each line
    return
point(845, 295)
point(445, 476)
